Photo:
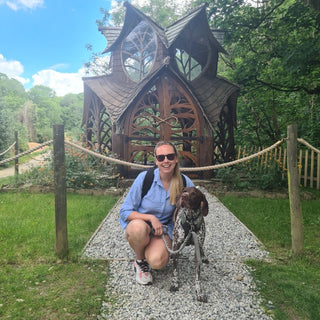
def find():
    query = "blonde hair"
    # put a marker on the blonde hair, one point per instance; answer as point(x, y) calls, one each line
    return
point(176, 183)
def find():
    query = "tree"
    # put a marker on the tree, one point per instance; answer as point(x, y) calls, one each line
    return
point(5, 137)
point(47, 111)
point(12, 94)
point(274, 58)
point(163, 12)
point(12, 99)
point(71, 112)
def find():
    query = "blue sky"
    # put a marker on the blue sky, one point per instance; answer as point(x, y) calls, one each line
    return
point(44, 41)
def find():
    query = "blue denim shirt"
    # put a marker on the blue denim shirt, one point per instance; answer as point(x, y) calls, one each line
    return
point(156, 201)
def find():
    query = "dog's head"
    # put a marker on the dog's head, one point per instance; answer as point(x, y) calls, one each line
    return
point(192, 198)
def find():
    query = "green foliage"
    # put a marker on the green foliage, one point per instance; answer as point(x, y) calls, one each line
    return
point(83, 171)
point(273, 55)
point(256, 174)
point(48, 111)
point(12, 94)
point(12, 99)
point(5, 136)
point(163, 12)
point(71, 112)
point(34, 113)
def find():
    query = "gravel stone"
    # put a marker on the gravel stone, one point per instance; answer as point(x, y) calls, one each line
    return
point(231, 291)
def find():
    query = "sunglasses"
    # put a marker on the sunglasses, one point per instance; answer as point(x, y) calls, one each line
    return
point(169, 156)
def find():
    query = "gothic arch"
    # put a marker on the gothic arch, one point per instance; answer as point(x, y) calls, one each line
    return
point(166, 111)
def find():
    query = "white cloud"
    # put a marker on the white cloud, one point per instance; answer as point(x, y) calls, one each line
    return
point(13, 69)
point(59, 66)
point(23, 4)
point(61, 83)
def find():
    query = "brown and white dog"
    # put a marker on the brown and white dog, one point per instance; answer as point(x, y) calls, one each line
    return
point(191, 207)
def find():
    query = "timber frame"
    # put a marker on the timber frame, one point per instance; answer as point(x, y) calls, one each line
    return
point(163, 85)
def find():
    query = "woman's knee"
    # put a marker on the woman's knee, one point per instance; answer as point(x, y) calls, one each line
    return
point(158, 262)
point(137, 230)
point(157, 255)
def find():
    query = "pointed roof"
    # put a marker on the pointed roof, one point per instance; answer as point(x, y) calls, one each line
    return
point(133, 16)
point(211, 94)
point(174, 30)
point(177, 28)
point(111, 34)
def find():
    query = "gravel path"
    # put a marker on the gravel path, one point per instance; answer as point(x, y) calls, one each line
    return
point(226, 279)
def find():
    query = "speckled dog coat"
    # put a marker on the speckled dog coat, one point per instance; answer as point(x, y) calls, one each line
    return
point(191, 208)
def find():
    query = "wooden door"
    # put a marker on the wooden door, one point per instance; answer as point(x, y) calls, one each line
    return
point(164, 112)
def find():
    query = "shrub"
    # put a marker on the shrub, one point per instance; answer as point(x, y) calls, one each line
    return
point(83, 171)
point(253, 174)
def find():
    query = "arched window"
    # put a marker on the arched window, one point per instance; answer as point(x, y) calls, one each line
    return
point(191, 56)
point(138, 51)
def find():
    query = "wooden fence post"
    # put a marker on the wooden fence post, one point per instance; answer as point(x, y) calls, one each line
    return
point(60, 191)
point(294, 196)
point(16, 152)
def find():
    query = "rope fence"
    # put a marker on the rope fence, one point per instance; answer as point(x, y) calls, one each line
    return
point(309, 164)
point(6, 151)
point(140, 166)
point(61, 245)
point(213, 167)
point(26, 152)
point(308, 145)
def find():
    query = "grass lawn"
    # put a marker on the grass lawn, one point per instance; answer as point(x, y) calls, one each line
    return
point(35, 284)
point(289, 284)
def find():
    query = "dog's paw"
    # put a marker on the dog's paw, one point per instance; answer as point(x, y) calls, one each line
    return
point(202, 298)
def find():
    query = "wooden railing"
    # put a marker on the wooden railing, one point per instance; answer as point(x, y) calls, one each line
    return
point(308, 161)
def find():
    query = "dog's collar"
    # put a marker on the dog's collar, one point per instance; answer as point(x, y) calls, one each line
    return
point(194, 222)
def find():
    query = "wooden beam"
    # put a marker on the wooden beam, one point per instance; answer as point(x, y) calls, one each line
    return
point(294, 196)
point(60, 191)
point(16, 152)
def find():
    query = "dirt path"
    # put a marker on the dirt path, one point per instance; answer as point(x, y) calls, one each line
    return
point(34, 161)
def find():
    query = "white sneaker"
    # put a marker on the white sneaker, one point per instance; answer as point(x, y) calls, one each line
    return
point(143, 272)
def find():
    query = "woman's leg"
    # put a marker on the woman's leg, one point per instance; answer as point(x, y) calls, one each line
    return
point(151, 248)
point(138, 236)
point(156, 252)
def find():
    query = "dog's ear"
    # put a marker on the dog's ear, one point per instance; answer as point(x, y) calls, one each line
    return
point(204, 206)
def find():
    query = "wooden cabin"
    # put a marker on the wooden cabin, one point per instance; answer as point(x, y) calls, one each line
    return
point(163, 85)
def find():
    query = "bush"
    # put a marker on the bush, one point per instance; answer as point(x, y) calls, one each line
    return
point(83, 171)
point(253, 174)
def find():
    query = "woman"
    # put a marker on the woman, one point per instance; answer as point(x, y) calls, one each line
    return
point(143, 218)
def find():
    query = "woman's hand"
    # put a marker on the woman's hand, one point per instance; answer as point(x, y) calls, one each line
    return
point(157, 226)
